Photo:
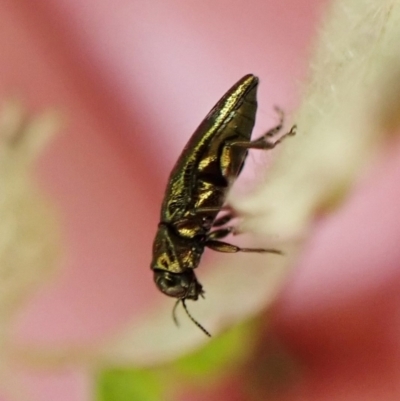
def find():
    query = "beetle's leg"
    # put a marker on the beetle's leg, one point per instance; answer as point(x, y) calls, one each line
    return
point(221, 246)
point(221, 221)
point(205, 210)
point(275, 130)
point(210, 209)
point(220, 233)
point(264, 142)
point(229, 169)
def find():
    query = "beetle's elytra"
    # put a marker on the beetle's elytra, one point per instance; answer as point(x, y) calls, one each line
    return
point(197, 189)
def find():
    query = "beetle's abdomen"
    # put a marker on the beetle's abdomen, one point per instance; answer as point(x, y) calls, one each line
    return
point(231, 119)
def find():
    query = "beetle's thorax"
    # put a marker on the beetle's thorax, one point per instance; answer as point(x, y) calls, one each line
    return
point(175, 253)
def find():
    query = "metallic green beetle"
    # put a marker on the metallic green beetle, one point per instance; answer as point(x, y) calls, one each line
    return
point(197, 189)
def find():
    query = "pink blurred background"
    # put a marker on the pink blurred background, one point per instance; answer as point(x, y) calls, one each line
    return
point(134, 79)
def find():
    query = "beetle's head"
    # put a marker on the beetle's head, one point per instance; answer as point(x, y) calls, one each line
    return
point(174, 258)
point(182, 286)
point(178, 285)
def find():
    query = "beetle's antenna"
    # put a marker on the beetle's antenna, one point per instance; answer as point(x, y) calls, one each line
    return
point(174, 313)
point(193, 319)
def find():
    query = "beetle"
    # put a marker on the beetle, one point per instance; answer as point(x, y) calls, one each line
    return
point(197, 189)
